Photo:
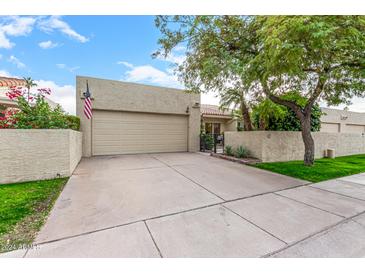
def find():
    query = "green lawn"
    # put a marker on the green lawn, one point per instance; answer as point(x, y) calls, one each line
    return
point(323, 169)
point(23, 210)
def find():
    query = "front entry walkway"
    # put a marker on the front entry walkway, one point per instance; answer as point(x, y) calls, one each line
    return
point(192, 205)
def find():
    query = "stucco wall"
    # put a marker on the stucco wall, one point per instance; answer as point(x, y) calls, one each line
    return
point(277, 146)
point(34, 154)
point(123, 96)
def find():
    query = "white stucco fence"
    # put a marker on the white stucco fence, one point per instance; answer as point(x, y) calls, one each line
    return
point(36, 154)
point(279, 146)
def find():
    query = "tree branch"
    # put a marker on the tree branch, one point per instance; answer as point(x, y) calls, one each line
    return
point(290, 104)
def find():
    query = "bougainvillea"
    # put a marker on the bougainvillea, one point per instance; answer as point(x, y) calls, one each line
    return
point(35, 112)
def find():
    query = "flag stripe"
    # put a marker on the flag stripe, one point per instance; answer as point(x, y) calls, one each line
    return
point(87, 103)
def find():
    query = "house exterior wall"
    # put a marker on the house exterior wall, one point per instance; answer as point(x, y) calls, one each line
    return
point(123, 96)
point(335, 120)
point(278, 146)
point(37, 154)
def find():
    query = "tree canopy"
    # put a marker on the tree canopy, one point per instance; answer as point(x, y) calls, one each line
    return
point(319, 57)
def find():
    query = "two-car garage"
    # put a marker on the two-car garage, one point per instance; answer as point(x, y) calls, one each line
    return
point(131, 118)
point(118, 132)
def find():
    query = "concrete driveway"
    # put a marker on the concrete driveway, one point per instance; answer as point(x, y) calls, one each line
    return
point(193, 205)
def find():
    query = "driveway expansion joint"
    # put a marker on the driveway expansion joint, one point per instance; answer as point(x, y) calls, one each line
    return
point(191, 180)
point(348, 196)
point(301, 202)
point(164, 215)
point(153, 239)
point(254, 224)
point(322, 231)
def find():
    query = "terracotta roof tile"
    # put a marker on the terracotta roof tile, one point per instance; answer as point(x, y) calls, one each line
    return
point(9, 82)
point(214, 110)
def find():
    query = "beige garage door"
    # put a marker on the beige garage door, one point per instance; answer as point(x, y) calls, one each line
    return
point(330, 127)
point(116, 132)
point(355, 128)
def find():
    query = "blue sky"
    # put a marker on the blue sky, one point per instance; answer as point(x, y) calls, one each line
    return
point(53, 50)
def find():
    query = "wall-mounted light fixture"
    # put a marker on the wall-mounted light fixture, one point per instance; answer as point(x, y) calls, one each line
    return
point(187, 109)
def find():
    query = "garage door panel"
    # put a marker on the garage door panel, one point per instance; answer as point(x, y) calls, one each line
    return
point(330, 127)
point(355, 128)
point(128, 132)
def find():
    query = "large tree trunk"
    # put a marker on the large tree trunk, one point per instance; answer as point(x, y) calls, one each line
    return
point(247, 123)
point(307, 139)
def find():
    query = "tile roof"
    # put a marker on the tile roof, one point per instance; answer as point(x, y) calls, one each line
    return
point(214, 110)
point(9, 82)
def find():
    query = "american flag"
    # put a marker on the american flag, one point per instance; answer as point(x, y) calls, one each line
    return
point(87, 103)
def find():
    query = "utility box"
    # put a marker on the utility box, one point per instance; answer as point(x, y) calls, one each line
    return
point(331, 153)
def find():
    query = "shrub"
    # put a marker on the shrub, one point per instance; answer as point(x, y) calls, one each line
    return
point(208, 141)
point(36, 113)
point(73, 122)
point(228, 150)
point(241, 152)
point(270, 116)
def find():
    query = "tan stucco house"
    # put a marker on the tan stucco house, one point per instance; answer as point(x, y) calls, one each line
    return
point(335, 120)
point(134, 118)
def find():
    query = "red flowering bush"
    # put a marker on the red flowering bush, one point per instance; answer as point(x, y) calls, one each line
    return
point(35, 112)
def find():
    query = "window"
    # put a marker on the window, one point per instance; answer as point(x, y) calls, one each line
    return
point(217, 128)
point(208, 128)
point(213, 128)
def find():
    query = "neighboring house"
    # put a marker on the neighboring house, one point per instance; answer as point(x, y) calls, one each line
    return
point(5, 102)
point(335, 120)
point(217, 121)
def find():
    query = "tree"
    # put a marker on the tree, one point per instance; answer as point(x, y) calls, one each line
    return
point(321, 57)
point(29, 83)
point(236, 98)
point(212, 62)
point(268, 115)
point(266, 111)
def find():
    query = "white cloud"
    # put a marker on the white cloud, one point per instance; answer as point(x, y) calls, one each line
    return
point(177, 56)
point(128, 65)
point(209, 98)
point(4, 41)
point(14, 26)
point(149, 75)
point(11, 26)
point(5, 73)
point(47, 44)
point(63, 95)
point(12, 59)
point(55, 23)
point(70, 69)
